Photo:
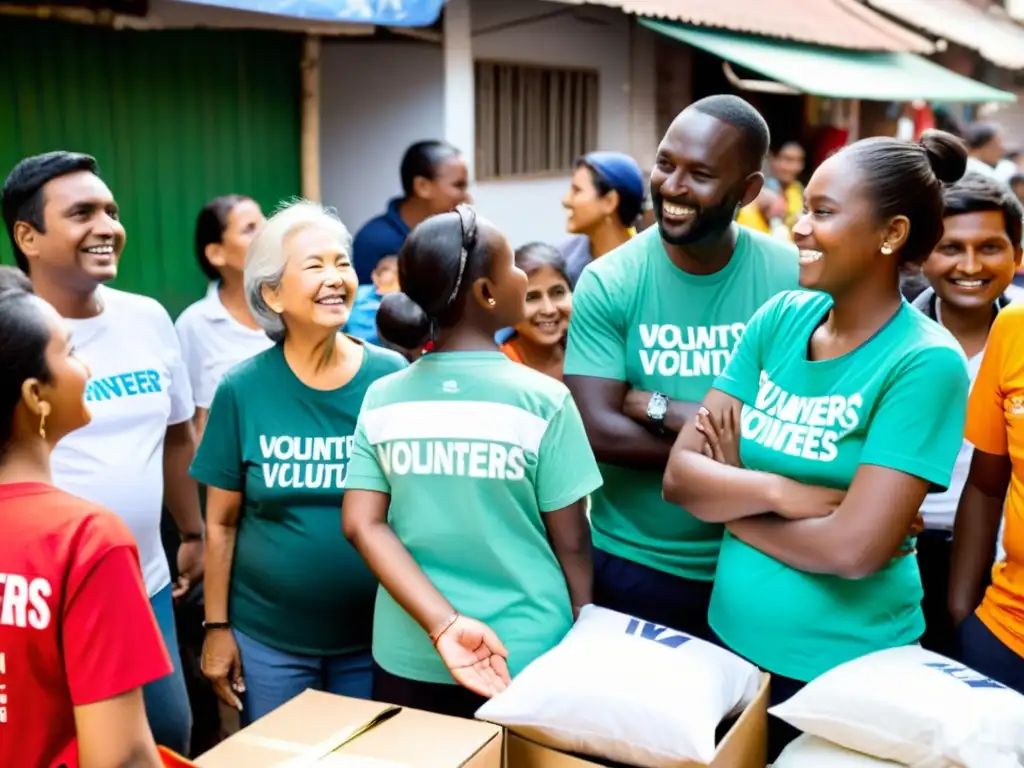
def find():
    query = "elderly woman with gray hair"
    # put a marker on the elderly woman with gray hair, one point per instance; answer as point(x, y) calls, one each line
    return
point(289, 602)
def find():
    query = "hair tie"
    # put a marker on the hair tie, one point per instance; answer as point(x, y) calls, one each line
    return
point(430, 343)
point(467, 230)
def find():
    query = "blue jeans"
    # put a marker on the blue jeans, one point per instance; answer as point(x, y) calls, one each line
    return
point(273, 677)
point(985, 653)
point(167, 707)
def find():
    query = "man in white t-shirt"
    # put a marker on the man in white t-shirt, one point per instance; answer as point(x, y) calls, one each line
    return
point(133, 457)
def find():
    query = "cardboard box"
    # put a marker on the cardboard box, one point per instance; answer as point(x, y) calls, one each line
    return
point(744, 746)
point(320, 730)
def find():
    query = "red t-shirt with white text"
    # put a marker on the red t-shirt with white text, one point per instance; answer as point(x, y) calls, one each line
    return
point(76, 626)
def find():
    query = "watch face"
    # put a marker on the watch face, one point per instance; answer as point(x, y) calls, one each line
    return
point(658, 407)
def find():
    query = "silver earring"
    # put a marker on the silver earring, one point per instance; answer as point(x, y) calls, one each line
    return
point(886, 249)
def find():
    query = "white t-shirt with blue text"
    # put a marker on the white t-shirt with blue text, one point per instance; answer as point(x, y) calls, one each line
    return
point(138, 386)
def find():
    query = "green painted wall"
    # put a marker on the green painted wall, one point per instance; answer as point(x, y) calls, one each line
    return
point(173, 117)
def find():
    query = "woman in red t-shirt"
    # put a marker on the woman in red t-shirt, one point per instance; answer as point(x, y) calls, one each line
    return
point(77, 636)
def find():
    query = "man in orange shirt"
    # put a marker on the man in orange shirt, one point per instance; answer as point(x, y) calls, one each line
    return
point(991, 635)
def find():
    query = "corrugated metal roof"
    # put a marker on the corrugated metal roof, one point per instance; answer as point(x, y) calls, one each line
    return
point(995, 37)
point(834, 23)
point(835, 72)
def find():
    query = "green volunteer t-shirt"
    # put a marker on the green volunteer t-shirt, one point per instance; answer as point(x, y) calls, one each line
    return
point(296, 583)
point(897, 401)
point(473, 450)
point(638, 318)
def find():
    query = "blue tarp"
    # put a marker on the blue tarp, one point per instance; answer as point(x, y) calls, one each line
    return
point(397, 13)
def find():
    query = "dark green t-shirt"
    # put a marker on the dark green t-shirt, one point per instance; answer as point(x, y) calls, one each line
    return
point(296, 583)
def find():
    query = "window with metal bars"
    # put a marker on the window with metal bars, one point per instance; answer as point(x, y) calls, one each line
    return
point(532, 120)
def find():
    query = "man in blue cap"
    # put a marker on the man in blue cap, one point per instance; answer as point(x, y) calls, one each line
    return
point(604, 201)
point(653, 323)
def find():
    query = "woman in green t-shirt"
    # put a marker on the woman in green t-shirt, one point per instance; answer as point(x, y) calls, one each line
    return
point(458, 495)
point(840, 408)
point(289, 603)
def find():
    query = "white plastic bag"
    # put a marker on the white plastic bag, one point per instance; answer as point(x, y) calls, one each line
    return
point(628, 691)
point(914, 707)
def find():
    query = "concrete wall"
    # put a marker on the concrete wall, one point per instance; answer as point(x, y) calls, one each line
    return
point(378, 97)
point(595, 38)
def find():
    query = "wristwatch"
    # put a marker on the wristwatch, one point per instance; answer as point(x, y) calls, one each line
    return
point(208, 625)
point(657, 408)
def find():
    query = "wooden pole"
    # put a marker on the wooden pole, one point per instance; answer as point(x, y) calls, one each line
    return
point(853, 120)
point(310, 157)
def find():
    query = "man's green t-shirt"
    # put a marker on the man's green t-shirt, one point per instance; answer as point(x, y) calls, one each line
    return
point(296, 584)
point(474, 450)
point(640, 319)
point(897, 401)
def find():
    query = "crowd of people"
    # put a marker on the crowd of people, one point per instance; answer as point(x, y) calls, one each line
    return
point(422, 452)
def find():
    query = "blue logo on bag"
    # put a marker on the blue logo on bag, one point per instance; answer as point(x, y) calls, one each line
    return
point(966, 675)
point(662, 635)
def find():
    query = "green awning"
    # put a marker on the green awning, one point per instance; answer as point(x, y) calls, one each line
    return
point(834, 72)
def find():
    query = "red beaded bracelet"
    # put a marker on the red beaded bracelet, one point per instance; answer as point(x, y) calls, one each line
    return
point(445, 626)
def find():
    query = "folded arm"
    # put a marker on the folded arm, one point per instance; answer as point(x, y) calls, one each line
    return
point(614, 436)
point(710, 490)
point(860, 538)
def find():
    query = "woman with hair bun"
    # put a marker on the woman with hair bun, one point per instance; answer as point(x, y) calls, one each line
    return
point(457, 494)
point(840, 409)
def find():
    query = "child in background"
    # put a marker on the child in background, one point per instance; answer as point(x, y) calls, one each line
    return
point(362, 322)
